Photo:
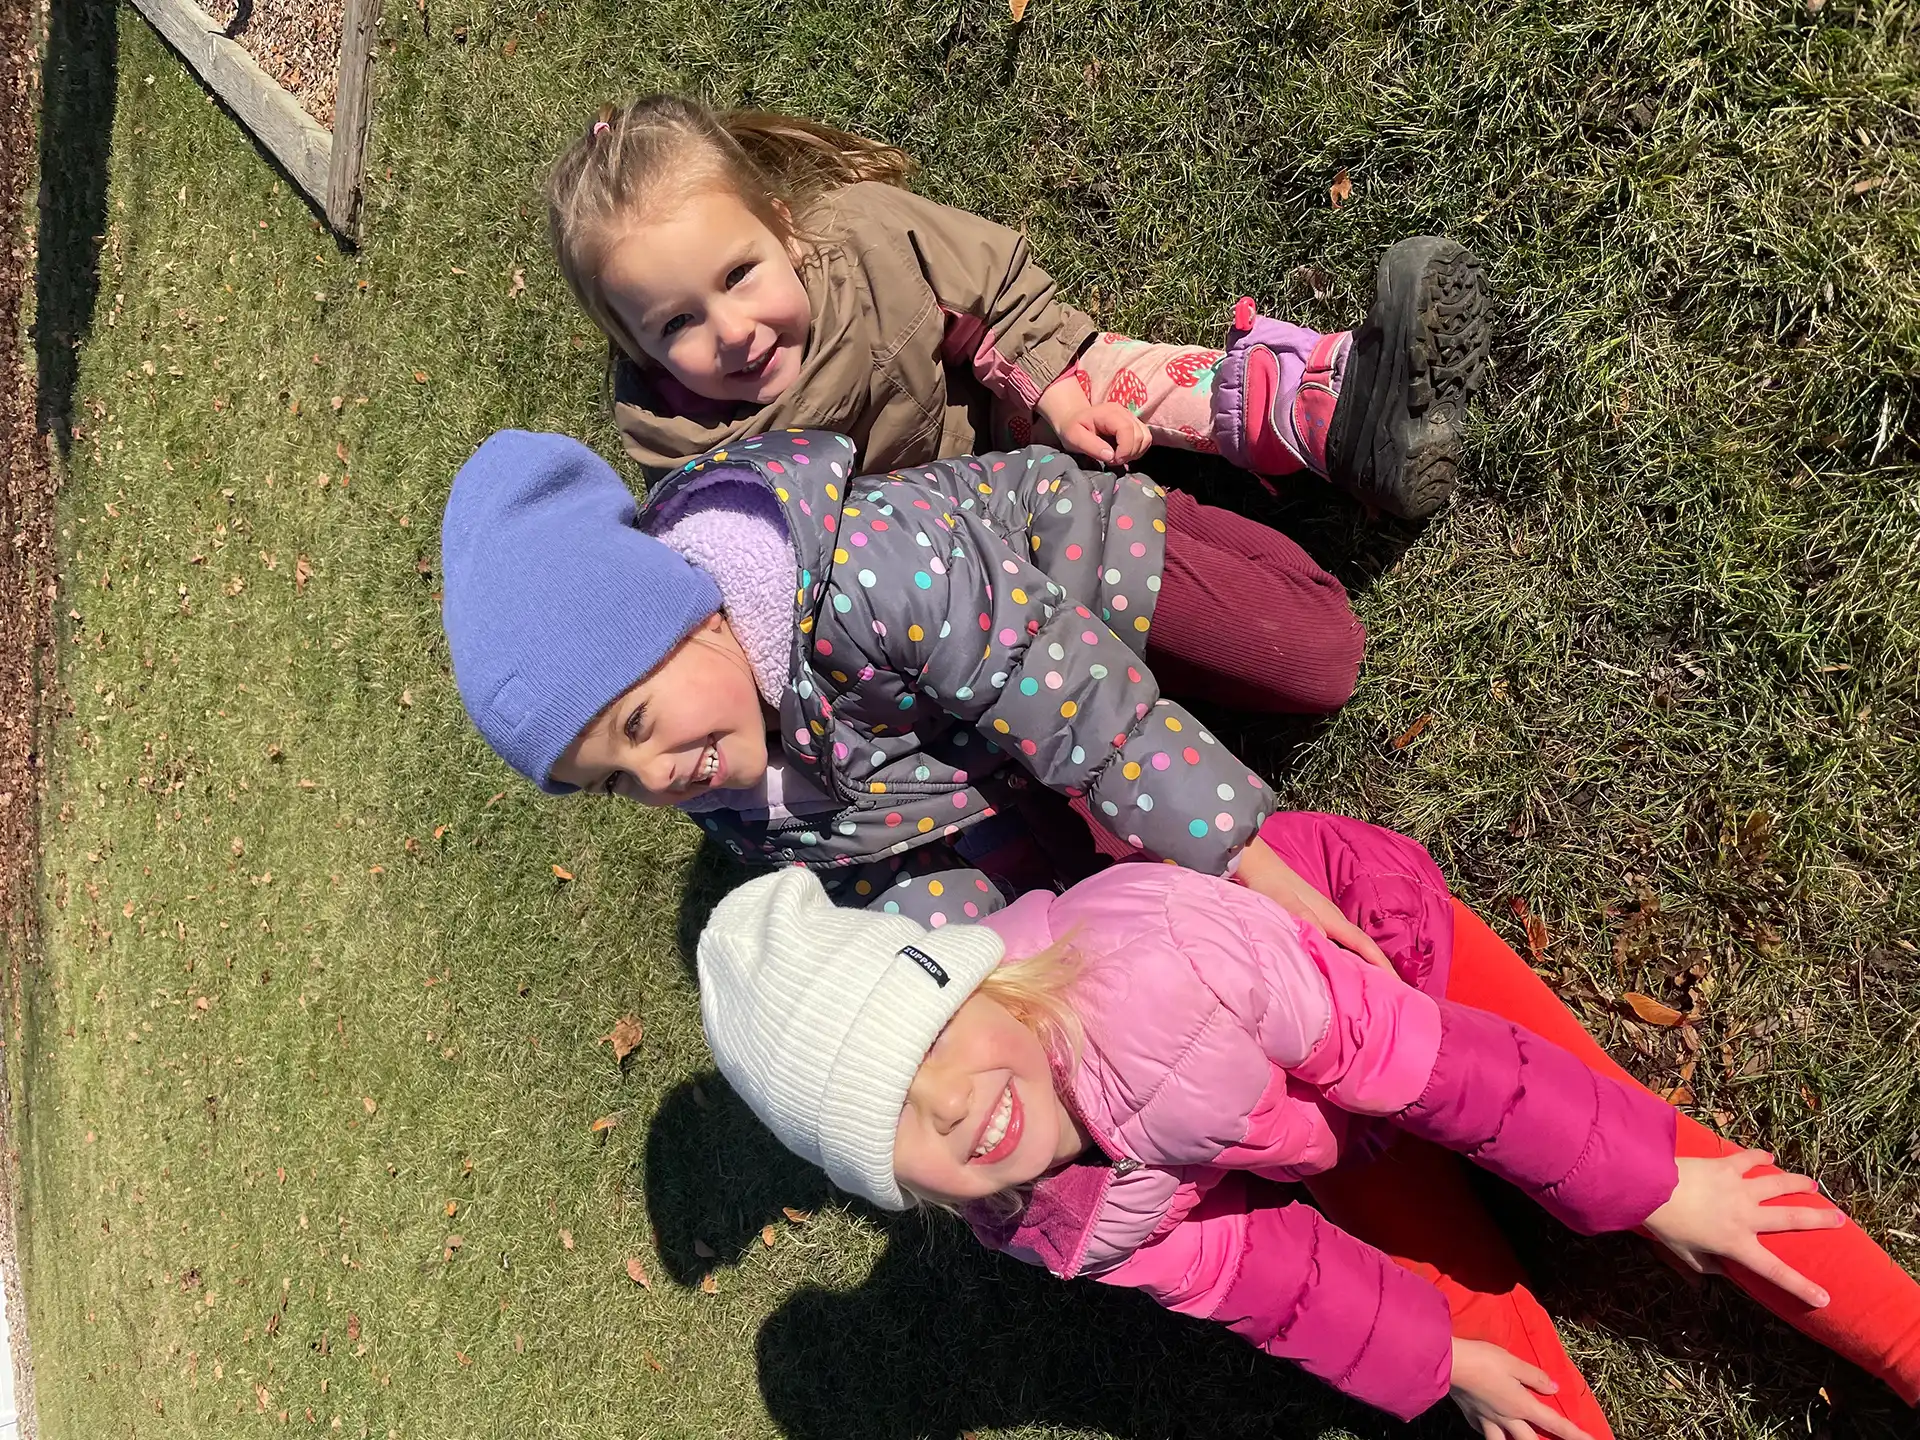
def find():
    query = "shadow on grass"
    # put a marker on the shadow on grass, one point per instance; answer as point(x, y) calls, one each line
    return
point(76, 136)
point(713, 873)
point(942, 1336)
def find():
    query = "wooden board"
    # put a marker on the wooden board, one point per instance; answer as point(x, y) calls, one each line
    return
point(326, 165)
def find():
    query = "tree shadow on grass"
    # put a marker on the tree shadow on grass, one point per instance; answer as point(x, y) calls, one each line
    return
point(76, 135)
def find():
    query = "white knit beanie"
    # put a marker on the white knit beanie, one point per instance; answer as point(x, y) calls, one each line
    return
point(820, 1016)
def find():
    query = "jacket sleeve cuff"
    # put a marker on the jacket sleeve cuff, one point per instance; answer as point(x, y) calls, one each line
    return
point(1047, 359)
point(1597, 1153)
point(1341, 1310)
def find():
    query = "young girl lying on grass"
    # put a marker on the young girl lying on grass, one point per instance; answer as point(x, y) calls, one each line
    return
point(1106, 1083)
point(870, 674)
point(756, 272)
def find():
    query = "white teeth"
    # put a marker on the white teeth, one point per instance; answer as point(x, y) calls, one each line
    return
point(709, 763)
point(997, 1127)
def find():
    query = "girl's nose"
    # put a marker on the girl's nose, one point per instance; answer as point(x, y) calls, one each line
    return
point(734, 328)
point(942, 1096)
point(656, 773)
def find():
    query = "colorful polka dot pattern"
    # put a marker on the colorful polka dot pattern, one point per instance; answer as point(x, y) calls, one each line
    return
point(953, 617)
point(926, 885)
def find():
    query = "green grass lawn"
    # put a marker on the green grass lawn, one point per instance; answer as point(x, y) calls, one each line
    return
point(310, 999)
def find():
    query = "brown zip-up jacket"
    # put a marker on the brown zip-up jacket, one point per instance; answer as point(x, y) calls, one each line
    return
point(925, 320)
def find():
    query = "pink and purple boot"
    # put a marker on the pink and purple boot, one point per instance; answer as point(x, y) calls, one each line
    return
point(1376, 410)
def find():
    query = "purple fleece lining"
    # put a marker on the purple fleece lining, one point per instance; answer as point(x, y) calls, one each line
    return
point(730, 525)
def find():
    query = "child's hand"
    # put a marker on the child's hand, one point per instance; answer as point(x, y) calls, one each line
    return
point(1497, 1392)
point(1108, 432)
point(1717, 1212)
point(1262, 870)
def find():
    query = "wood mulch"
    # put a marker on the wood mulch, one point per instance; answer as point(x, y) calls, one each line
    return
point(26, 601)
point(297, 42)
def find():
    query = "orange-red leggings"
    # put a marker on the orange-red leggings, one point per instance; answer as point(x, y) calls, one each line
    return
point(1414, 1202)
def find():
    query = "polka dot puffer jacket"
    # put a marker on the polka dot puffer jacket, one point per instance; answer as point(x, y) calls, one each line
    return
point(959, 622)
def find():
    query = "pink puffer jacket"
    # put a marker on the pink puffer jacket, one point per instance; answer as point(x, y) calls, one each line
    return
point(1222, 1037)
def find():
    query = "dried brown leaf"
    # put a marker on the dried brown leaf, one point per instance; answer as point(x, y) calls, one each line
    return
point(353, 1327)
point(603, 1124)
point(561, 873)
point(766, 1236)
point(519, 283)
point(1341, 189)
point(624, 1037)
point(369, 1103)
point(1412, 732)
point(452, 1208)
point(709, 1285)
point(1652, 1011)
point(1536, 928)
point(797, 1217)
point(302, 572)
point(637, 1273)
point(566, 1239)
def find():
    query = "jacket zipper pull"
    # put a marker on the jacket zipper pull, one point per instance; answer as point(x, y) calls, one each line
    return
point(1127, 1166)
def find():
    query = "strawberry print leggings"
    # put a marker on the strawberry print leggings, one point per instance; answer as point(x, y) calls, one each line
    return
point(1170, 387)
point(1414, 1202)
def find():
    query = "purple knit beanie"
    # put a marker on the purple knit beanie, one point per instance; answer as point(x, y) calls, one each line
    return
point(554, 602)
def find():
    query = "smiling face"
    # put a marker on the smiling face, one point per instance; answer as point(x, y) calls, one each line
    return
point(711, 295)
point(982, 1113)
point(692, 724)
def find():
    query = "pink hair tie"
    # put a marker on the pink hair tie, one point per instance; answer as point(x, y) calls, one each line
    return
point(600, 127)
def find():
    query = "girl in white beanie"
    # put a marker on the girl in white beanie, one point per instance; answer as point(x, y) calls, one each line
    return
point(1100, 1081)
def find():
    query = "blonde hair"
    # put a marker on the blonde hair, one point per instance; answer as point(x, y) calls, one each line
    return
point(1038, 992)
point(641, 160)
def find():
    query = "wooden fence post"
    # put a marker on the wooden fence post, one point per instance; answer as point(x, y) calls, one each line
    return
point(352, 112)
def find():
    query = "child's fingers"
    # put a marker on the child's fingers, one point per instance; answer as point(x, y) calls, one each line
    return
point(1771, 1187)
point(1782, 1276)
point(1532, 1376)
point(1348, 936)
point(1553, 1423)
point(1773, 1219)
point(1089, 442)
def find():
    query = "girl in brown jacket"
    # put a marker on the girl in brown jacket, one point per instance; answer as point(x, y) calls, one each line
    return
point(757, 273)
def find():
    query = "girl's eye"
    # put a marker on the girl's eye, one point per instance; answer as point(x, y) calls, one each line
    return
point(737, 274)
point(612, 785)
point(675, 325)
